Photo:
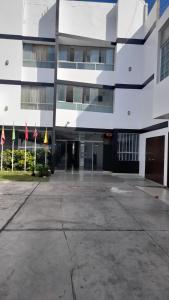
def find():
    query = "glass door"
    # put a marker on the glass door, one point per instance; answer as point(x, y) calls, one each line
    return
point(88, 156)
point(61, 150)
point(97, 156)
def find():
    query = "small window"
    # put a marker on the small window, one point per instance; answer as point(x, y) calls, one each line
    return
point(69, 94)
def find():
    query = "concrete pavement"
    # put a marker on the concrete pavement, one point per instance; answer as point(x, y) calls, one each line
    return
point(84, 237)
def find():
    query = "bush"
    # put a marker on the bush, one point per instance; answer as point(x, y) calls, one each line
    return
point(42, 170)
point(19, 159)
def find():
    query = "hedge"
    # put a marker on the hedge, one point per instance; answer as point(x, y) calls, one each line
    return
point(19, 159)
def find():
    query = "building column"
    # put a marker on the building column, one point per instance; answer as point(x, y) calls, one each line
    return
point(55, 83)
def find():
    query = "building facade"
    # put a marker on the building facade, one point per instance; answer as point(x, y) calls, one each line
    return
point(96, 75)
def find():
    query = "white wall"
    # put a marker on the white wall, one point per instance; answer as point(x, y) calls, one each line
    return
point(129, 56)
point(130, 18)
point(10, 99)
point(39, 18)
point(10, 50)
point(37, 74)
point(142, 151)
point(161, 92)
point(87, 76)
point(88, 19)
point(11, 16)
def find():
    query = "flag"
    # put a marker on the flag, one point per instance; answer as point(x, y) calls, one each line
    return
point(26, 133)
point(35, 133)
point(13, 134)
point(3, 136)
point(46, 137)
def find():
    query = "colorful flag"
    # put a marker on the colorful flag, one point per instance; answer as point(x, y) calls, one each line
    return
point(46, 137)
point(26, 133)
point(35, 133)
point(13, 134)
point(3, 136)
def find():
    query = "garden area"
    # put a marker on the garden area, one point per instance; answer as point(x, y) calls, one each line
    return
point(35, 170)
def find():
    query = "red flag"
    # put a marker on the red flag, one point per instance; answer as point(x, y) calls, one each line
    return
point(26, 133)
point(35, 134)
point(3, 136)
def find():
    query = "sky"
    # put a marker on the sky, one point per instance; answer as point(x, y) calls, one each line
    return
point(163, 3)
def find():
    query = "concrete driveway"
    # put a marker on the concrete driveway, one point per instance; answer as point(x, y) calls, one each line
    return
point(84, 237)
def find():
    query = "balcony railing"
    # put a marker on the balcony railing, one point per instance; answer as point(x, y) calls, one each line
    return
point(38, 64)
point(68, 106)
point(85, 107)
point(68, 65)
point(85, 65)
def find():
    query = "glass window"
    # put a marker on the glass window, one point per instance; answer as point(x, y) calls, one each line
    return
point(63, 53)
point(94, 55)
point(91, 58)
point(79, 53)
point(41, 56)
point(61, 92)
point(86, 95)
point(37, 98)
point(69, 93)
point(164, 69)
point(94, 93)
point(102, 58)
point(77, 94)
point(109, 56)
point(27, 51)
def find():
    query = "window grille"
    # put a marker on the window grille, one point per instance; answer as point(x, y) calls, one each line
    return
point(128, 144)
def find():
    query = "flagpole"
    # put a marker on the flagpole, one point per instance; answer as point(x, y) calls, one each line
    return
point(45, 156)
point(12, 155)
point(2, 150)
point(25, 157)
point(35, 155)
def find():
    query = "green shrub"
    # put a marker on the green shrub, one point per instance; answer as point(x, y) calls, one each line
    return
point(42, 170)
point(19, 160)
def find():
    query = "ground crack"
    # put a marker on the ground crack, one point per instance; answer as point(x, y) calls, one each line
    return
point(73, 269)
point(72, 284)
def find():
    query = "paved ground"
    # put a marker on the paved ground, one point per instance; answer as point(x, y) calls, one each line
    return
point(84, 237)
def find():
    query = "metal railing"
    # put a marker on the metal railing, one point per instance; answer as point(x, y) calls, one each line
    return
point(85, 65)
point(68, 106)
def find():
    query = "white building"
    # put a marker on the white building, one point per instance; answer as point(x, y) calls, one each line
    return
point(110, 76)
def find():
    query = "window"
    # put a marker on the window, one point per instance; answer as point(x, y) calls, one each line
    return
point(40, 56)
point(77, 94)
point(85, 98)
point(164, 71)
point(91, 58)
point(40, 98)
point(128, 144)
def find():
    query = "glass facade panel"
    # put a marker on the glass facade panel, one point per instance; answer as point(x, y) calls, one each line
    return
point(37, 98)
point(74, 57)
point(85, 98)
point(77, 94)
point(68, 97)
point(90, 58)
point(41, 56)
point(164, 70)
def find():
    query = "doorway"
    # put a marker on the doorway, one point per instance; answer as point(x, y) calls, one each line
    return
point(154, 169)
point(75, 155)
point(67, 155)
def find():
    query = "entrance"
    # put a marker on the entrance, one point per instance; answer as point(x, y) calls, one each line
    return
point(155, 159)
point(75, 155)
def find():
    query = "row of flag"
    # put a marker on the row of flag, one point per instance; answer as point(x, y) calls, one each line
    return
point(35, 135)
